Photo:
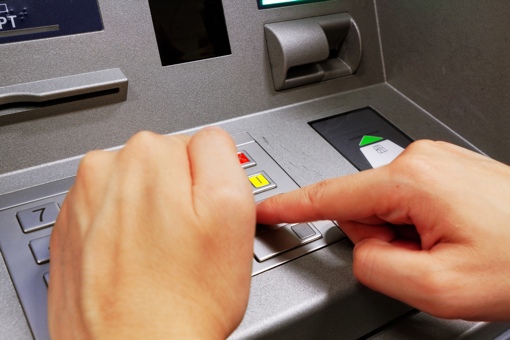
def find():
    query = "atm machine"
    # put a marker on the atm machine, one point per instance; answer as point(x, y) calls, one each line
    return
point(309, 89)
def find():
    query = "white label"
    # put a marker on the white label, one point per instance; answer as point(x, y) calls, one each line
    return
point(381, 153)
point(6, 20)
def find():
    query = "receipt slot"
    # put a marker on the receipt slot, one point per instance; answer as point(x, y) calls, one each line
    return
point(312, 50)
point(363, 137)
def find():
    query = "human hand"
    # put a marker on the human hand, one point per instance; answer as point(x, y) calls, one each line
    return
point(154, 241)
point(431, 229)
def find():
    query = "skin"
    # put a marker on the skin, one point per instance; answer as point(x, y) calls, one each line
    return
point(154, 241)
point(431, 229)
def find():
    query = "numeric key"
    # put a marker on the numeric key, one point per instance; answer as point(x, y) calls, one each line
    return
point(39, 217)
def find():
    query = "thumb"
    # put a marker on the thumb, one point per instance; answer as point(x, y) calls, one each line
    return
point(395, 270)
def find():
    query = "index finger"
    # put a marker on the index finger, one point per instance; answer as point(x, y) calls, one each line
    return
point(369, 196)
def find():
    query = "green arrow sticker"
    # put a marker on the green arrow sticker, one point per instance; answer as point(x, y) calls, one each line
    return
point(369, 140)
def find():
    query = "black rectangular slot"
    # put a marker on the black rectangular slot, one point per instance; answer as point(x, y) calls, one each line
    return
point(189, 30)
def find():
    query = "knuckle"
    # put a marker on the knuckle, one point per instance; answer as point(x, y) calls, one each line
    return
point(90, 164)
point(141, 148)
point(147, 145)
point(414, 163)
point(142, 140)
point(213, 132)
point(422, 144)
point(419, 147)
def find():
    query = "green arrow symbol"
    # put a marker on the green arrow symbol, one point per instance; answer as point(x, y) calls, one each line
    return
point(369, 140)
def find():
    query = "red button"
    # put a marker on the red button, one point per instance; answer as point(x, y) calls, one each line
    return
point(243, 159)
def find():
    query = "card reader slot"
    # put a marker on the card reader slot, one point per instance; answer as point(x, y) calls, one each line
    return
point(50, 92)
point(36, 102)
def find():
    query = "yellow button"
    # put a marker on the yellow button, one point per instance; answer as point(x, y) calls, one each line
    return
point(258, 181)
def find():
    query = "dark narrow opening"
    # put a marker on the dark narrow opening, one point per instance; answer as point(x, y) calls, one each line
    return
point(34, 104)
point(302, 71)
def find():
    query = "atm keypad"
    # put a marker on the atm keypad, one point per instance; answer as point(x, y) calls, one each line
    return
point(281, 243)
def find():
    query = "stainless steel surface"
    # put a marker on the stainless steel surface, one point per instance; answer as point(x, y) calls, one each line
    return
point(450, 57)
point(437, 70)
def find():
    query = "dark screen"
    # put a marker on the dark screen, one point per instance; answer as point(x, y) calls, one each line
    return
point(189, 30)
